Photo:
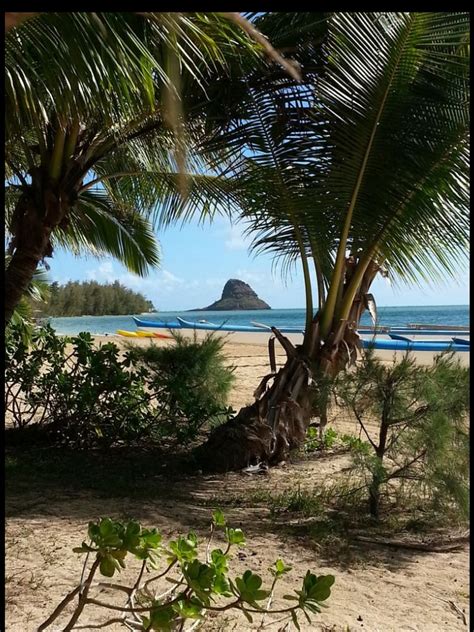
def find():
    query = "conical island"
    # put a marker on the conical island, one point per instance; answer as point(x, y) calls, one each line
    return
point(237, 295)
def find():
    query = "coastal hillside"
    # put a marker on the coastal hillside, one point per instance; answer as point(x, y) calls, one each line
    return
point(94, 299)
point(237, 295)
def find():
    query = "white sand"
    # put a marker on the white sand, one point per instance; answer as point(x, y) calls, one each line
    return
point(380, 589)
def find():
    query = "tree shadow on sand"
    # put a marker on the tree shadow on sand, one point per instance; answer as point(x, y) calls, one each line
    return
point(160, 489)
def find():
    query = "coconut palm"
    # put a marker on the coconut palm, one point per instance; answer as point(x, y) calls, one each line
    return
point(94, 127)
point(360, 171)
point(36, 293)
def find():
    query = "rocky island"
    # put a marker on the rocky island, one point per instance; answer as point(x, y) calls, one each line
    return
point(237, 295)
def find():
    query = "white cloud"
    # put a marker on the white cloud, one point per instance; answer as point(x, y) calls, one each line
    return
point(170, 279)
point(252, 277)
point(235, 239)
point(104, 272)
point(215, 282)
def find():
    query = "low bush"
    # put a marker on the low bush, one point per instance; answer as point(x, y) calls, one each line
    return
point(86, 396)
point(315, 442)
point(413, 421)
point(197, 586)
point(192, 382)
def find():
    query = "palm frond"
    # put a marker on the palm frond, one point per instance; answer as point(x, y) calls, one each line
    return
point(395, 104)
point(108, 62)
point(101, 225)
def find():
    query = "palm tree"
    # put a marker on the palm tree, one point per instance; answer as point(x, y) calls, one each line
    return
point(36, 293)
point(360, 170)
point(95, 129)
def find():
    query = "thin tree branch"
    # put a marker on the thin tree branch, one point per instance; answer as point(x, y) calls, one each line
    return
point(69, 597)
point(359, 419)
point(406, 466)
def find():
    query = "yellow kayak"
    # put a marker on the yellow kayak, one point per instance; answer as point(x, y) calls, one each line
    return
point(141, 334)
point(129, 334)
point(151, 334)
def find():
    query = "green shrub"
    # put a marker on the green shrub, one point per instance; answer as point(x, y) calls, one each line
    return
point(192, 381)
point(85, 397)
point(420, 437)
point(92, 396)
point(304, 502)
point(197, 586)
point(314, 441)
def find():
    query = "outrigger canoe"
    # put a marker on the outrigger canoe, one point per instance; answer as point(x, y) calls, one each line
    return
point(258, 335)
point(456, 341)
point(185, 324)
point(181, 323)
point(156, 324)
point(461, 341)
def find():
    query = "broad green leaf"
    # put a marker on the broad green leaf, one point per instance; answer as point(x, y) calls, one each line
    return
point(107, 566)
point(235, 536)
point(280, 568)
point(219, 561)
point(218, 518)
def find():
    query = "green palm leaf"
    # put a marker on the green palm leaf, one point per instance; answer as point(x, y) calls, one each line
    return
point(397, 118)
point(98, 224)
point(108, 62)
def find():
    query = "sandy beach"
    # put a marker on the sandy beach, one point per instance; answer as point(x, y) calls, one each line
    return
point(377, 589)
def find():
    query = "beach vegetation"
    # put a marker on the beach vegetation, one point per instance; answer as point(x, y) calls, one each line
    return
point(314, 441)
point(193, 378)
point(31, 304)
point(94, 299)
point(358, 182)
point(95, 129)
point(200, 583)
point(359, 172)
point(73, 393)
point(296, 501)
point(413, 422)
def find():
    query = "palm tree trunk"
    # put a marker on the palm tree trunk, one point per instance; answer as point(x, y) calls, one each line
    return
point(269, 428)
point(31, 230)
point(277, 421)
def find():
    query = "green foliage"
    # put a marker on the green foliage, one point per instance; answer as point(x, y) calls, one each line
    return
point(63, 124)
point(373, 140)
point(36, 295)
point(314, 443)
point(94, 299)
point(421, 438)
point(235, 536)
point(193, 379)
point(218, 518)
point(355, 444)
point(198, 585)
point(90, 396)
point(280, 568)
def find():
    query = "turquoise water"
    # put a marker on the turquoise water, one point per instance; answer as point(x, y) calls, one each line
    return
point(388, 316)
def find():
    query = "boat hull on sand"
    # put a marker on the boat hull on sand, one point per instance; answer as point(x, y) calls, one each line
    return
point(385, 348)
point(180, 323)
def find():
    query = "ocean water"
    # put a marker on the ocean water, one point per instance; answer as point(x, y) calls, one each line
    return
point(387, 316)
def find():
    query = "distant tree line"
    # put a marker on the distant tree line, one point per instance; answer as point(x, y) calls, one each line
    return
point(94, 299)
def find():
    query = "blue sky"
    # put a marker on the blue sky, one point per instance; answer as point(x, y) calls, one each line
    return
point(197, 261)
